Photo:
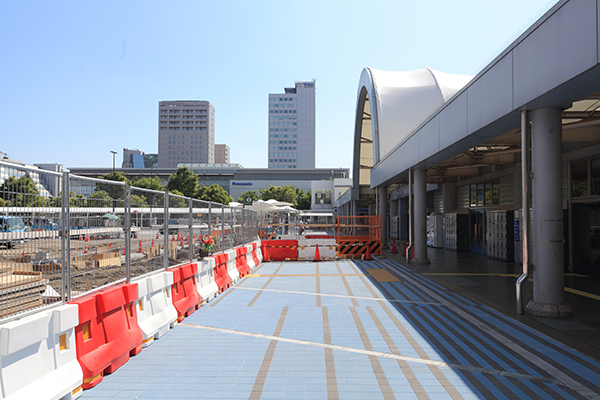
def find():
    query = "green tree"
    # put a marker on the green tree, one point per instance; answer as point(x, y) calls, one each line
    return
point(137, 201)
point(303, 200)
point(113, 191)
point(250, 193)
point(153, 184)
point(285, 193)
point(21, 192)
point(184, 181)
point(99, 198)
point(149, 183)
point(177, 202)
point(214, 193)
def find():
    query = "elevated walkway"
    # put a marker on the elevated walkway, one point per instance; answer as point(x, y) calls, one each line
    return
point(351, 330)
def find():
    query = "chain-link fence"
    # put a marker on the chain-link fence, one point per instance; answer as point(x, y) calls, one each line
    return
point(85, 233)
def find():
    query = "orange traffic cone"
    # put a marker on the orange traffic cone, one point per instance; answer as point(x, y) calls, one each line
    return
point(110, 245)
point(394, 250)
point(140, 247)
point(156, 235)
point(181, 242)
point(368, 256)
point(152, 243)
point(86, 250)
point(317, 255)
point(172, 238)
point(188, 240)
point(123, 250)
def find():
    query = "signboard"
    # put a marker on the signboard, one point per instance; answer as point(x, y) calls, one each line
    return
point(248, 201)
point(517, 231)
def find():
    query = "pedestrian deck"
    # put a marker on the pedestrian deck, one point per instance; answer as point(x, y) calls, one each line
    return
point(351, 330)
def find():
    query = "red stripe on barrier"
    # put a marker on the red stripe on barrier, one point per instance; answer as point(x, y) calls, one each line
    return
point(221, 275)
point(254, 255)
point(240, 261)
point(186, 298)
point(108, 332)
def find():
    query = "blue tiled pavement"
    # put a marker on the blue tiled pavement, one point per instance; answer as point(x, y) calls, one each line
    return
point(331, 330)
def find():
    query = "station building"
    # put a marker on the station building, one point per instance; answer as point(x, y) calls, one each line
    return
point(522, 135)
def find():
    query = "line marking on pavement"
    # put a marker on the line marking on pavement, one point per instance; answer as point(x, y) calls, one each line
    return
point(500, 337)
point(381, 354)
point(340, 295)
point(581, 293)
point(567, 289)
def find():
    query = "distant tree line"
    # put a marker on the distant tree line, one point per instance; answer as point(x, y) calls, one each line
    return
point(293, 195)
point(22, 192)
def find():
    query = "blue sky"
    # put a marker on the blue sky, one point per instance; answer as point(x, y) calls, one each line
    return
point(81, 78)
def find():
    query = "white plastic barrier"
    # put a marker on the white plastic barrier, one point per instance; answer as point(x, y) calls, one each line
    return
point(156, 313)
point(232, 270)
point(205, 280)
point(249, 257)
point(38, 359)
point(307, 249)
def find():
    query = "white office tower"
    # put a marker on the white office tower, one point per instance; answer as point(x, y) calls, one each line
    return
point(292, 127)
point(186, 133)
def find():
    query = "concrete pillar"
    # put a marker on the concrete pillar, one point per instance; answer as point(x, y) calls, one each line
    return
point(383, 213)
point(547, 229)
point(420, 217)
point(354, 208)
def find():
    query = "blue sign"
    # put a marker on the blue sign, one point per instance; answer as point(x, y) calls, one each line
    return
point(335, 210)
point(517, 231)
point(308, 84)
point(241, 183)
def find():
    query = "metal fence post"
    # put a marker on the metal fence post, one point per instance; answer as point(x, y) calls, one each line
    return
point(210, 218)
point(222, 227)
point(243, 226)
point(191, 229)
point(65, 243)
point(127, 230)
point(166, 232)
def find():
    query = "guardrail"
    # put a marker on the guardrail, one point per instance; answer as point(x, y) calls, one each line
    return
point(85, 234)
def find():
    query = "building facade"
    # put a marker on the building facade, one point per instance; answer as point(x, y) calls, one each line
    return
point(222, 153)
point(292, 127)
point(132, 158)
point(186, 132)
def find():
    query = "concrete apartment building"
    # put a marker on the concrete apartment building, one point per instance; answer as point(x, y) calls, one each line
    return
point(186, 132)
point(292, 127)
point(222, 154)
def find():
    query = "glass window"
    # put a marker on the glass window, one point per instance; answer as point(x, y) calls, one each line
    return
point(473, 195)
point(579, 179)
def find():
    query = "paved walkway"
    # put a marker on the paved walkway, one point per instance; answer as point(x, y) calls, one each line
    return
point(350, 330)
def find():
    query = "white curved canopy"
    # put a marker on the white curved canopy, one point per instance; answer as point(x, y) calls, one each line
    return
point(401, 101)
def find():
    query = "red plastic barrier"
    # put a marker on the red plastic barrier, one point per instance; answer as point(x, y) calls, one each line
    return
point(221, 276)
point(241, 263)
point(186, 298)
point(254, 256)
point(281, 250)
point(108, 331)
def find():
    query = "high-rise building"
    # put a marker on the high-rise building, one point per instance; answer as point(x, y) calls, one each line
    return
point(186, 132)
point(292, 127)
point(221, 154)
point(132, 158)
